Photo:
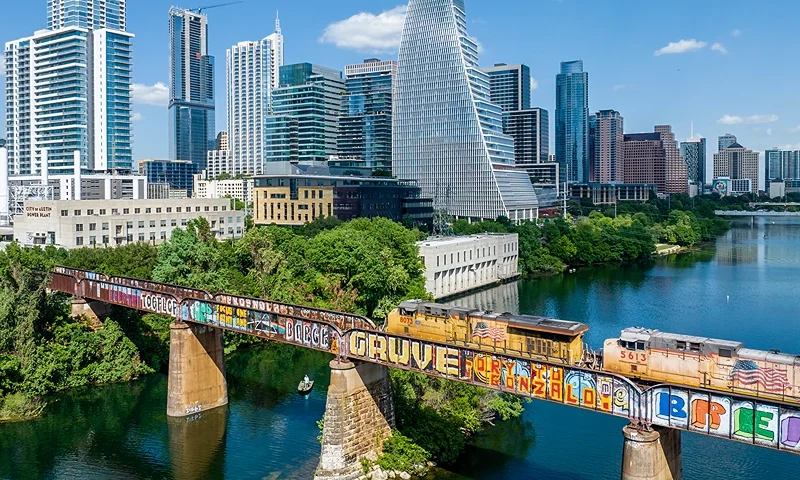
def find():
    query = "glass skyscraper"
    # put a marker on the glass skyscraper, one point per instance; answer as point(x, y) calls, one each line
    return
point(306, 110)
point(82, 101)
point(693, 151)
point(191, 105)
point(782, 164)
point(572, 121)
point(510, 86)
point(446, 133)
point(365, 128)
point(725, 141)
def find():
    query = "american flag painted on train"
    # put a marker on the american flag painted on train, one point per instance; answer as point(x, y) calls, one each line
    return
point(483, 330)
point(747, 372)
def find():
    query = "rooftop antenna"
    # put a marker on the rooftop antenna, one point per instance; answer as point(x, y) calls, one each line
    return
point(692, 130)
point(277, 23)
point(209, 7)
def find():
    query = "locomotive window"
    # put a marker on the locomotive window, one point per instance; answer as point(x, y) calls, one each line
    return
point(639, 345)
point(725, 352)
point(680, 345)
point(694, 347)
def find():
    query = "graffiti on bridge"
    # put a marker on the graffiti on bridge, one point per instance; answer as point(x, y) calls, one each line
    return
point(138, 299)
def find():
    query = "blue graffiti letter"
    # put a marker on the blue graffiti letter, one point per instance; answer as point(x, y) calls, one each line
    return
point(671, 406)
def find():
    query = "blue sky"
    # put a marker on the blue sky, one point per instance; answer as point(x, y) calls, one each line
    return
point(728, 65)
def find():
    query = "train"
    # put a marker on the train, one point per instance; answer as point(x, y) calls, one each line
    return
point(647, 355)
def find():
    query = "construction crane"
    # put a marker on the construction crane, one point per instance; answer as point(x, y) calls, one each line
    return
point(200, 9)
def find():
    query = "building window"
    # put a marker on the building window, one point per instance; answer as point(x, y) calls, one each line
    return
point(141, 223)
point(184, 222)
point(78, 227)
point(148, 210)
point(163, 235)
point(137, 211)
point(78, 241)
point(77, 213)
point(92, 240)
point(92, 227)
point(152, 235)
point(163, 223)
point(169, 209)
point(126, 211)
point(152, 224)
point(129, 225)
point(64, 213)
point(158, 209)
point(105, 226)
point(196, 209)
point(141, 237)
point(90, 212)
point(216, 208)
point(206, 208)
point(178, 209)
point(102, 211)
point(173, 223)
point(114, 211)
point(305, 193)
point(320, 194)
point(224, 208)
point(105, 239)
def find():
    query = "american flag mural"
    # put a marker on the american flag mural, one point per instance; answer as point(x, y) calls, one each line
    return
point(747, 372)
point(483, 330)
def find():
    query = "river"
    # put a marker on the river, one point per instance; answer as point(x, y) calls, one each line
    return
point(746, 287)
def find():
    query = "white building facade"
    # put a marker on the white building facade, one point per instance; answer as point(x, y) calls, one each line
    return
point(240, 189)
point(456, 265)
point(88, 223)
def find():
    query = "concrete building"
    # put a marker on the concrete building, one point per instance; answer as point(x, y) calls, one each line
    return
point(530, 130)
point(611, 193)
point(240, 189)
point(176, 173)
point(455, 265)
point(365, 128)
point(510, 86)
point(447, 135)
point(606, 146)
point(304, 125)
point(295, 194)
point(222, 141)
point(84, 223)
point(725, 141)
point(191, 88)
point(82, 102)
point(654, 158)
point(736, 162)
point(572, 121)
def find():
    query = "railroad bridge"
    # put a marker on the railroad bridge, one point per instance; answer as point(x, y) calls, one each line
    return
point(359, 412)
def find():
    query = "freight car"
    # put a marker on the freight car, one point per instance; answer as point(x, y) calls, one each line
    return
point(658, 357)
point(526, 335)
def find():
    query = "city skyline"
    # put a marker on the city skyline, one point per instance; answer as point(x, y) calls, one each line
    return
point(690, 85)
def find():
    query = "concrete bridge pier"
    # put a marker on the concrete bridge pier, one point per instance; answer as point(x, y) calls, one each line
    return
point(95, 312)
point(196, 379)
point(359, 416)
point(651, 454)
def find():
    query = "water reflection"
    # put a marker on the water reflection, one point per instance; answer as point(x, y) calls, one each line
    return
point(197, 444)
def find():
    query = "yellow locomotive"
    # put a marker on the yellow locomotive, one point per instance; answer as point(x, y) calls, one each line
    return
point(546, 338)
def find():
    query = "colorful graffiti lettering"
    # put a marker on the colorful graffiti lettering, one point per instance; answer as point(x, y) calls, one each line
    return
point(580, 388)
point(310, 334)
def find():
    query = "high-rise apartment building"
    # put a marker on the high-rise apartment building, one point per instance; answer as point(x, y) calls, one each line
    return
point(654, 158)
point(572, 121)
point(446, 133)
point(530, 131)
point(249, 89)
point(191, 88)
point(510, 86)
point(725, 141)
point(222, 141)
point(275, 41)
point(606, 147)
point(693, 151)
point(365, 128)
point(68, 89)
point(736, 162)
point(306, 110)
point(782, 164)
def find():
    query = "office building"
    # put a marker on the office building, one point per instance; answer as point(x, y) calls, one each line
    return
point(654, 158)
point(238, 188)
point(176, 173)
point(781, 164)
point(306, 110)
point(738, 163)
point(249, 89)
point(531, 133)
point(365, 128)
point(510, 86)
point(572, 121)
point(611, 193)
point(456, 265)
point(725, 141)
point(606, 140)
point(447, 135)
point(191, 88)
point(693, 151)
point(85, 223)
point(222, 141)
point(82, 102)
point(295, 194)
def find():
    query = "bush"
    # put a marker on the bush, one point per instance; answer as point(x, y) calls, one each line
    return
point(403, 455)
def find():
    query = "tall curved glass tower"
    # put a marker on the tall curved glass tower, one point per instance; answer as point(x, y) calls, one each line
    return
point(447, 135)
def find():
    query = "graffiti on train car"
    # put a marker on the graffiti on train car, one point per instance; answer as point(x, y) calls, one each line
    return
point(130, 297)
point(723, 416)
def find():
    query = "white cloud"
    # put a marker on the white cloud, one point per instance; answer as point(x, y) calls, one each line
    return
point(622, 86)
point(717, 47)
point(736, 32)
point(794, 129)
point(156, 94)
point(788, 146)
point(136, 117)
point(751, 120)
point(534, 84)
point(769, 132)
point(681, 46)
point(367, 32)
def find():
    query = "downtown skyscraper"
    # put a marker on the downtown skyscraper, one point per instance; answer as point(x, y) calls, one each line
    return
point(572, 121)
point(510, 86)
point(191, 88)
point(606, 147)
point(693, 151)
point(447, 135)
point(79, 103)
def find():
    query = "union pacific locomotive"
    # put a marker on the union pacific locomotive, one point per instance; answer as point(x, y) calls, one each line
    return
point(648, 355)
